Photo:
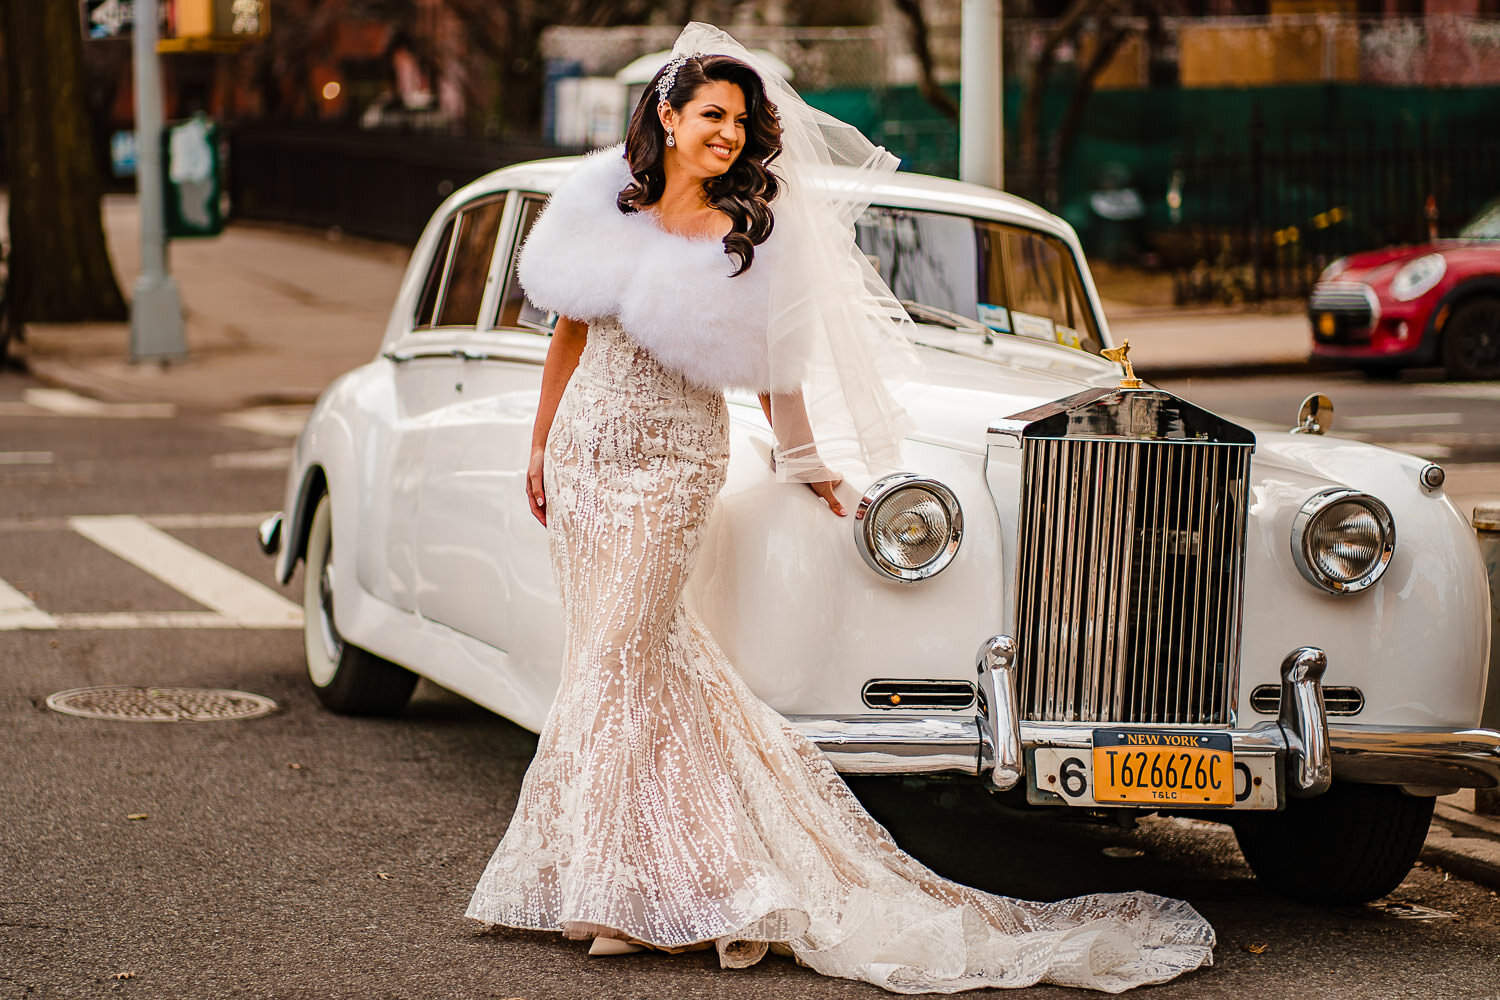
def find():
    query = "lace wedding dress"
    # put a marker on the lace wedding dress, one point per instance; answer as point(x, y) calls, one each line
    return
point(669, 804)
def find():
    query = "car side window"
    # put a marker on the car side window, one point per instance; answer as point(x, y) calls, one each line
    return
point(473, 249)
point(433, 286)
point(515, 310)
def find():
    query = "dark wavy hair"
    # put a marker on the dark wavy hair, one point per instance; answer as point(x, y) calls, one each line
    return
point(743, 192)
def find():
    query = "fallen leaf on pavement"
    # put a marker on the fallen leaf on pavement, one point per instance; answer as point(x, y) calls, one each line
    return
point(1256, 949)
point(138, 816)
point(294, 766)
point(123, 975)
point(384, 877)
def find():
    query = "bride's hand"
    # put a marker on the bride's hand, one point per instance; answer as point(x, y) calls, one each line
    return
point(536, 496)
point(825, 490)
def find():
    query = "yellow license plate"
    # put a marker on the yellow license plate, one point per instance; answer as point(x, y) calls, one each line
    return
point(1163, 767)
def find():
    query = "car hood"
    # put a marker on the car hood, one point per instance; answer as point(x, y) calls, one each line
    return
point(1377, 263)
point(966, 384)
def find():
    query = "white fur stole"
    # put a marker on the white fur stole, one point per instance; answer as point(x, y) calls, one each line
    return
point(673, 295)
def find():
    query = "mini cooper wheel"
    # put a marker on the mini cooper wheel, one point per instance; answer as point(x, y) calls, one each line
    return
point(1471, 340)
point(1352, 844)
point(346, 678)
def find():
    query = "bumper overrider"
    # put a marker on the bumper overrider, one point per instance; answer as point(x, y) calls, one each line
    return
point(1299, 754)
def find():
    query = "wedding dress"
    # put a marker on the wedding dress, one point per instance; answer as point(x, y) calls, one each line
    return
point(668, 804)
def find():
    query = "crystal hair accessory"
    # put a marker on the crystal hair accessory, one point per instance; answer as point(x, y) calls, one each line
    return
point(669, 75)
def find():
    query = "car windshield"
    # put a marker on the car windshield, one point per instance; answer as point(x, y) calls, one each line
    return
point(1008, 278)
point(1485, 225)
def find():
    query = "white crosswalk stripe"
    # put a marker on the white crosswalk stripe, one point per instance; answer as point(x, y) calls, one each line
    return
point(241, 600)
point(17, 611)
point(62, 403)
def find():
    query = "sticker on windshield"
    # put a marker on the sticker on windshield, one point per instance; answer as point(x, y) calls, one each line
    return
point(997, 318)
point(1068, 337)
point(1037, 327)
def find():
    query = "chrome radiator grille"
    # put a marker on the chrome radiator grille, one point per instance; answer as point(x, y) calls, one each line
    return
point(1131, 573)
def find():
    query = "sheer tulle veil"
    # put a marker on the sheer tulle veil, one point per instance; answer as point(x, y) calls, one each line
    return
point(834, 326)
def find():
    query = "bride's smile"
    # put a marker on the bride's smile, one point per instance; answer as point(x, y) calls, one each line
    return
point(709, 131)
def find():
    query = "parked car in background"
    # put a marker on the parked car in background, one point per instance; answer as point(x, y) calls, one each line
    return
point(1169, 610)
point(1429, 305)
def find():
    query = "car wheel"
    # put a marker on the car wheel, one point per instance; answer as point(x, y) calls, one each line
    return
point(346, 678)
point(1471, 340)
point(1352, 844)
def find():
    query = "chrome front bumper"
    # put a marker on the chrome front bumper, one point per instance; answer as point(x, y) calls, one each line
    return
point(996, 742)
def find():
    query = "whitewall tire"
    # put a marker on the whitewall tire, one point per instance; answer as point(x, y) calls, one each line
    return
point(346, 678)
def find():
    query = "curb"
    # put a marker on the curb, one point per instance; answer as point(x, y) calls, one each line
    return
point(1455, 848)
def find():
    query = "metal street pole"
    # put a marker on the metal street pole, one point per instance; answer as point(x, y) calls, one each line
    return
point(981, 132)
point(156, 331)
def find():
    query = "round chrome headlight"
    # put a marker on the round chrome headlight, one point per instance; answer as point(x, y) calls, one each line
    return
point(908, 528)
point(1342, 540)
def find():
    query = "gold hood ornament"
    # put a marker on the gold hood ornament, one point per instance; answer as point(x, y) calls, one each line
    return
point(1121, 356)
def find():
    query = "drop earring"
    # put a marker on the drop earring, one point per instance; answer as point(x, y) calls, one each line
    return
point(671, 139)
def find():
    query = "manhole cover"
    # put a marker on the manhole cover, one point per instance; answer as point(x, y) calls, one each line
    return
point(137, 704)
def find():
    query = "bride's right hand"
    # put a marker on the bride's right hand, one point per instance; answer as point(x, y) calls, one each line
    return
point(536, 496)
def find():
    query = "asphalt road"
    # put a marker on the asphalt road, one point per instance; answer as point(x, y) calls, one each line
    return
point(306, 855)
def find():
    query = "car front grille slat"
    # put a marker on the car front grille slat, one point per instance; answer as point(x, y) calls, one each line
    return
point(1340, 297)
point(1131, 573)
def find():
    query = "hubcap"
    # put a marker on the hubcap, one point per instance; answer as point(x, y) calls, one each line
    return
point(1482, 343)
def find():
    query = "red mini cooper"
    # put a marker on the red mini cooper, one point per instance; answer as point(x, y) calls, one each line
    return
point(1415, 306)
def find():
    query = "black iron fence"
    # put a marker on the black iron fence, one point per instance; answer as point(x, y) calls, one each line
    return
point(1260, 216)
point(381, 185)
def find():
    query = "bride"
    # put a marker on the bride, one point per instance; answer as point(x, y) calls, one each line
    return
point(666, 805)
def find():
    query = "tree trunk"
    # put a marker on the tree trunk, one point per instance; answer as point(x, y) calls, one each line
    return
point(1112, 34)
point(1032, 154)
point(921, 46)
point(59, 264)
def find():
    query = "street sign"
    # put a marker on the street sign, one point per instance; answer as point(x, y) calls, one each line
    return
point(108, 18)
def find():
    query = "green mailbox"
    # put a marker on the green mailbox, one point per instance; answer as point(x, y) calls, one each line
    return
point(190, 156)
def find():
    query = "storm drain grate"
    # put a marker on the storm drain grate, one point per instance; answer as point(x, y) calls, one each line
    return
point(138, 704)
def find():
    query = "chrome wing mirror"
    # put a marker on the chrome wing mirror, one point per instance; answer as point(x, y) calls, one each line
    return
point(1315, 415)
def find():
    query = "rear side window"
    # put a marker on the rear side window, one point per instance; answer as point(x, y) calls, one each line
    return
point(427, 304)
point(515, 310)
point(460, 267)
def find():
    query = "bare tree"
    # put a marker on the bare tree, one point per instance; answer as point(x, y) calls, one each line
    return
point(918, 38)
point(1106, 25)
point(60, 269)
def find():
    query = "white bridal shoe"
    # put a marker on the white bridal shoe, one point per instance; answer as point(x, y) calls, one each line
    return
point(613, 946)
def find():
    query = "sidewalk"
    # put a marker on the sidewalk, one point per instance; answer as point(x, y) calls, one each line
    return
point(273, 314)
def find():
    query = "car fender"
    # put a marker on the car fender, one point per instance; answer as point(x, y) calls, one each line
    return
point(1416, 643)
point(1467, 288)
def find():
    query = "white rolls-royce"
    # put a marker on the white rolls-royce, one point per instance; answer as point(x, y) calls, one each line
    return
point(1171, 611)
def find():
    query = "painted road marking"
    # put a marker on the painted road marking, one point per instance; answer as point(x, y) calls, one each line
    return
point(268, 458)
point(1395, 420)
point(170, 522)
point(272, 421)
point(1465, 390)
point(62, 403)
point(26, 458)
point(17, 611)
point(212, 584)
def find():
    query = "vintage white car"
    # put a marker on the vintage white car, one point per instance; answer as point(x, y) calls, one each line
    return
point(1171, 611)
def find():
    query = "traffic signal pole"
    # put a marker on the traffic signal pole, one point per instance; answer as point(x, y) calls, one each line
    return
point(156, 329)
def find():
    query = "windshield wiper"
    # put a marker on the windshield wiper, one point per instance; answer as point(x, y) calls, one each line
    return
point(921, 312)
